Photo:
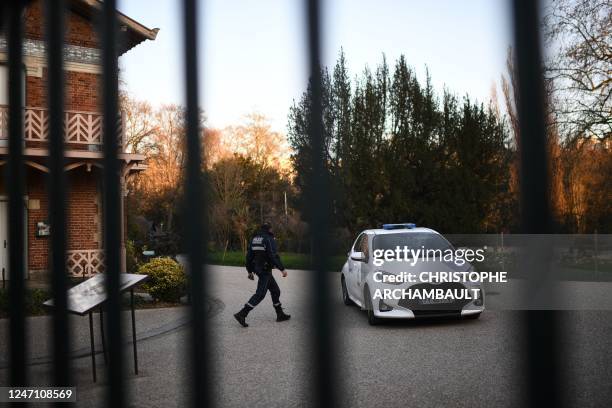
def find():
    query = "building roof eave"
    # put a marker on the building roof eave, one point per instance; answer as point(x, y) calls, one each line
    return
point(31, 152)
point(135, 32)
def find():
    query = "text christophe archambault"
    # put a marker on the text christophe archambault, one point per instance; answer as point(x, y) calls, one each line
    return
point(457, 265)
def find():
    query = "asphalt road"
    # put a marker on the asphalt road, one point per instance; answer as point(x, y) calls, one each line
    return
point(428, 364)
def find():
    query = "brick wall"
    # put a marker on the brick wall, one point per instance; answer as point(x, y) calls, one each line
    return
point(81, 94)
point(83, 213)
point(83, 209)
point(79, 31)
point(82, 88)
point(37, 247)
point(82, 91)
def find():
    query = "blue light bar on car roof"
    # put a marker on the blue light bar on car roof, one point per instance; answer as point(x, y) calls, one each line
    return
point(406, 225)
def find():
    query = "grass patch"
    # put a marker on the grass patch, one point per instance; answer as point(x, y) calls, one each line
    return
point(601, 266)
point(291, 260)
point(34, 299)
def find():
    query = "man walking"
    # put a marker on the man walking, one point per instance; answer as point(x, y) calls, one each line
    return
point(261, 258)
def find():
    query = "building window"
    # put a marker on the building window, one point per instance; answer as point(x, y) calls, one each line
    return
point(4, 83)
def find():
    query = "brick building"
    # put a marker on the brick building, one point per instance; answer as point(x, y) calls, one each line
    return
point(83, 137)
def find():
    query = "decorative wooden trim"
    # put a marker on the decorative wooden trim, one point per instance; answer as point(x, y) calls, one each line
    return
point(73, 166)
point(35, 65)
point(74, 53)
point(85, 262)
point(80, 127)
point(4, 117)
point(79, 154)
point(37, 166)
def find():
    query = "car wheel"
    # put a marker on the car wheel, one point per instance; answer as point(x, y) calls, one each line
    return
point(372, 319)
point(345, 296)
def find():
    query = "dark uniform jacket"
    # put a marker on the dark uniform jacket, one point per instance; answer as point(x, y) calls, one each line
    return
point(261, 254)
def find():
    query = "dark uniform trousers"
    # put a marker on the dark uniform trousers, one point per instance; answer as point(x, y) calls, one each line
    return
point(265, 282)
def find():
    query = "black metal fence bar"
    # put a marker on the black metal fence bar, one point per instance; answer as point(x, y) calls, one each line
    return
point(112, 210)
point(15, 183)
point(542, 330)
point(55, 10)
point(324, 381)
point(542, 353)
point(195, 208)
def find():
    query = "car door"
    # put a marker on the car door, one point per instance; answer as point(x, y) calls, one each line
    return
point(364, 267)
point(354, 269)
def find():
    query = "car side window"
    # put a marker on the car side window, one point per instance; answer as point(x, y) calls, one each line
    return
point(358, 243)
point(365, 248)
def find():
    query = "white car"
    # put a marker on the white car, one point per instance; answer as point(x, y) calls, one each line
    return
point(363, 273)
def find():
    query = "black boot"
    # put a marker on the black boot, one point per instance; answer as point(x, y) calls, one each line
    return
point(242, 314)
point(280, 315)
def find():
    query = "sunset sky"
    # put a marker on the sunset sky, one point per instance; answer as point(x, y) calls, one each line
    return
point(252, 53)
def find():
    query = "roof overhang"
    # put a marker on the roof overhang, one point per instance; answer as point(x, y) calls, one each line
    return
point(37, 158)
point(131, 32)
point(76, 154)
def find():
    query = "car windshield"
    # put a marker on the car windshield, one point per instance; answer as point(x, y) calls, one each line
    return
point(412, 240)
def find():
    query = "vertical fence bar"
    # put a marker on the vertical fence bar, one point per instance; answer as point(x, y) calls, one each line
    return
point(112, 226)
point(542, 331)
point(324, 378)
point(15, 183)
point(194, 215)
point(55, 10)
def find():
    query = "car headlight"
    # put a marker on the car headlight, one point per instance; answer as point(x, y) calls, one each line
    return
point(383, 307)
point(480, 299)
point(389, 278)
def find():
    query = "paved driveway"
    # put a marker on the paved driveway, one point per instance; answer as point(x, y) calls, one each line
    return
point(431, 364)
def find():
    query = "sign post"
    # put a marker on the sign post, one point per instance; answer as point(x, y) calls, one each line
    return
point(85, 297)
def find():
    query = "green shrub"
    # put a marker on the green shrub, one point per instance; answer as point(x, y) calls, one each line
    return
point(34, 299)
point(131, 257)
point(166, 281)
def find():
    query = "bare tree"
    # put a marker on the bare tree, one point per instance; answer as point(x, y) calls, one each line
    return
point(230, 207)
point(255, 139)
point(160, 183)
point(138, 123)
point(579, 37)
point(214, 148)
point(511, 99)
point(556, 168)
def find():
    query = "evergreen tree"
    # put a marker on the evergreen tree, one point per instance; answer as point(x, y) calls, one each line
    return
point(396, 152)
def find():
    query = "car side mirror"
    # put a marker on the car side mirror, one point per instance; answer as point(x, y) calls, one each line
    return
point(358, 256)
